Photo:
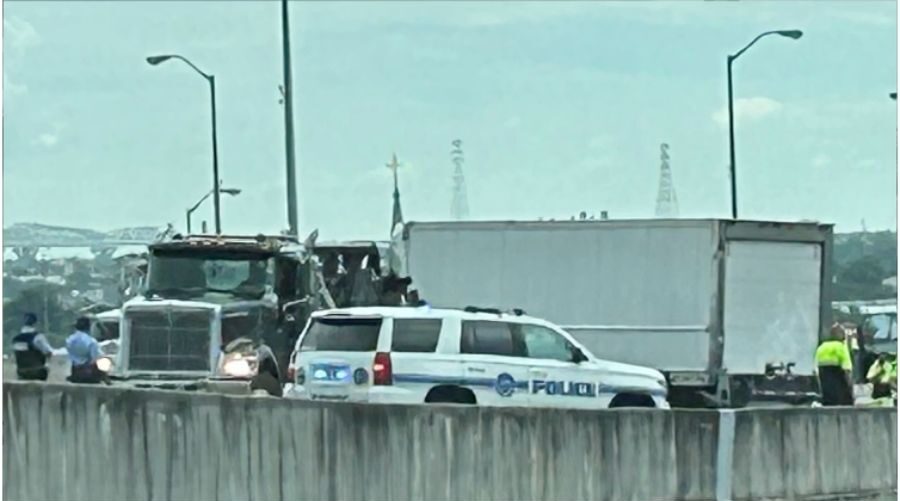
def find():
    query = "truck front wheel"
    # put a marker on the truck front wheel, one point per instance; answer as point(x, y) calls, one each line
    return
point(266, 382)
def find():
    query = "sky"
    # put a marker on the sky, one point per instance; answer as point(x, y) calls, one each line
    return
point(561, 108)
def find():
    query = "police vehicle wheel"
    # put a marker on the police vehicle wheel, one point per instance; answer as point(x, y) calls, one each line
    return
point(631, 400)
point(450, 395)
point(267, 382)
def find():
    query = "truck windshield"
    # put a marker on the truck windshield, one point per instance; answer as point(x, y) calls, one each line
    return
point(106, 330)
point(883, 326)
point(190, 275)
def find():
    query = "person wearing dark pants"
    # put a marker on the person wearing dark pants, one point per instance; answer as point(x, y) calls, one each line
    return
point(84, 351)
point(32, 351)
point(835, 368)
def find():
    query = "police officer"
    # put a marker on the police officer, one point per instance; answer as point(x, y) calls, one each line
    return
point(835, 369)
point(32, 351)
point(84, 351)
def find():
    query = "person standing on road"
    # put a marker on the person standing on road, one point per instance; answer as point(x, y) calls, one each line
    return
point(879, 376)
point(835, 369)
point(32, 351)
point(84, 351)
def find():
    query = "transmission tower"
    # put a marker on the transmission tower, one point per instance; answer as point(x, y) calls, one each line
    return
point(460, 208)
point(666, 200)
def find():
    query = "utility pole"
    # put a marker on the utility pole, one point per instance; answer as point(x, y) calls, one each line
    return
point(287, 90)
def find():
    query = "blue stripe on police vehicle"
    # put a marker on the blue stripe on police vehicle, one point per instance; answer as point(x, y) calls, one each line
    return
point(506, 385)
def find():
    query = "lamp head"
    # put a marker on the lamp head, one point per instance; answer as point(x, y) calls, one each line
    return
point(154, 60)
point(795, 34)
point(230, 191)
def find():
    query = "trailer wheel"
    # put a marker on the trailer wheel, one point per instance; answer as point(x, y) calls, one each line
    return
point(741, 393)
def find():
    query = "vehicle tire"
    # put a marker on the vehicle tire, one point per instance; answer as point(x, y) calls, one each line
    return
point(267, 382)
point(631, 400)
point(450, 395)
point(741, 393)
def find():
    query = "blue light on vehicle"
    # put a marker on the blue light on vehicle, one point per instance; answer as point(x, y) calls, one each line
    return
point(341, 375)
point(320, 374)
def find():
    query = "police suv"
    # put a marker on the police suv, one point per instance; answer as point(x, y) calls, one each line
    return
point(409, 355)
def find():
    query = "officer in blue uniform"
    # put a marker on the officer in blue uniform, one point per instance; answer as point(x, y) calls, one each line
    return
point(84, 351)
point(32, 351)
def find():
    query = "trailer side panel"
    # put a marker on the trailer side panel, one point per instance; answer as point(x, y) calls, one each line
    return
point(641, 293)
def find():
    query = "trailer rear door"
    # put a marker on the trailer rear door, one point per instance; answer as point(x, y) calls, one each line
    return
point(772, 293)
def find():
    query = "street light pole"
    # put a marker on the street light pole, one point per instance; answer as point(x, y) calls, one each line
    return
point(215, 146)
point(731, 143)
point(794, 34)
point(288, 90)
point(227, 191)
point(155, 60)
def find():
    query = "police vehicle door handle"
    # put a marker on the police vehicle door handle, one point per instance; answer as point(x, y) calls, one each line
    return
point(475, 369)
point(538, 373)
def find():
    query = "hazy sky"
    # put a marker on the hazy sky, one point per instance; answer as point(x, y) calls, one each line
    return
point(561, 108)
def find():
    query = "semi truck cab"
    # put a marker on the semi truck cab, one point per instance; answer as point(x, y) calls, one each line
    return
point(218, 313)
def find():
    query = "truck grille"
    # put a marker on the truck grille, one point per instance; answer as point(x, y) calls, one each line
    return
point(169, 340)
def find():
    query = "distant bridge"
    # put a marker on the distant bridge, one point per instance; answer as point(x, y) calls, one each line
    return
point(62, 238)
point(7, 243)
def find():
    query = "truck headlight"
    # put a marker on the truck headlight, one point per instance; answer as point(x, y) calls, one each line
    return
point(104, 364)
point(237, 365)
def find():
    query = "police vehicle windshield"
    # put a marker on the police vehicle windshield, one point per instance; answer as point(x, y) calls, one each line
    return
point(195, 275)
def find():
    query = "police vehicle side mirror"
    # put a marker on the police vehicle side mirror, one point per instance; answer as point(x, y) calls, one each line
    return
point(578, 356)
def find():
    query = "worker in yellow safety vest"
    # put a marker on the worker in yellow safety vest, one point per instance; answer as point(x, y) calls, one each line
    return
point(835, 368)
point(883, 376)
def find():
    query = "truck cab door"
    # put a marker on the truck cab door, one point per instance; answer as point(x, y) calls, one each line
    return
point(293, 305)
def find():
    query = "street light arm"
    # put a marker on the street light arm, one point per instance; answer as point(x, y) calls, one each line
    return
point(752, 42)
point(192, 209)
point(198, 70)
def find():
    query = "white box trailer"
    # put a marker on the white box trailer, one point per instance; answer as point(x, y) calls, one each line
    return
point(730, 311)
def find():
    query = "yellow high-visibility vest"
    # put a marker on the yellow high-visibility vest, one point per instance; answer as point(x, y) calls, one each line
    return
point(834, 354)
point(880, 372)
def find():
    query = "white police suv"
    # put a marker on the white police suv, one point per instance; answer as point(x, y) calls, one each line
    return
point(472, 356)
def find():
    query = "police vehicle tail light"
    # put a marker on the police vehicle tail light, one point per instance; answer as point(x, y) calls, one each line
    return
point(382, 375)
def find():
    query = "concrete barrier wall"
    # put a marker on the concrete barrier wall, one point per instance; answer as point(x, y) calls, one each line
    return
point(85, 443)
point(802, 453)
